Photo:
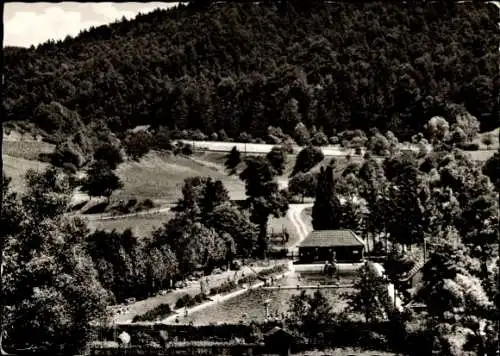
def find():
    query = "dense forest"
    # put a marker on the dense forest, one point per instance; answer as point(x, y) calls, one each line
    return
point(242, 67)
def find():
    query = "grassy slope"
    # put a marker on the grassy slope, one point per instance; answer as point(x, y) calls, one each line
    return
point(141, 226)
point(20, 156)
point(160, 177)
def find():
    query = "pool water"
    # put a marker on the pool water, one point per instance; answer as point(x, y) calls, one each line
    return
point(250, 306)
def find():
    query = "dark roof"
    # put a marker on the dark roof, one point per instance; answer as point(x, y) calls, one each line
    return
point(277, 331)
point(330, 238)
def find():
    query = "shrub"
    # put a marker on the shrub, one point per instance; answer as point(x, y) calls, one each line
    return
point(184, 301)
point(158, 313)
point(147, 204)
point(223, 288)
point(248, 279)
point(69, 168)
point(187, 150)
point(273, 270)
point(471, 146)
point(319, 139)
point(334, 140)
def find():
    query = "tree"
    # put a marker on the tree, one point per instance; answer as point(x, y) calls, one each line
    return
point(372, 188)
point(319, 139)
point(290, 116)
point(309, 315)
point(227, 219)
point(264, 198)
point(491, 168)
point(405, 218)
point(458, 136)
point(457, 301)
point(233, 159)
point(326, 211)
point(379, 144)
point(487, 140)
point(101, 180)
point(277, 159)
point(301, 134)
point(371, 297)
point(438, 129)
point(469, 124)
point(307, 158)
point(304, 184)
point(137, 144)
point(109, 154)
point(50, 287)
point(213, 195)
point(350, 215)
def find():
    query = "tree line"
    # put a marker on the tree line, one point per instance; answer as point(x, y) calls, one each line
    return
point(301, 68)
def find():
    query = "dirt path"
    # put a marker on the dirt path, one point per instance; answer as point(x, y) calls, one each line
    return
point(164, 209)
point(171, 298)
point(294, 214)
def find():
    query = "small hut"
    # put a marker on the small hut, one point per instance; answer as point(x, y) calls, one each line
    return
point(279, 341)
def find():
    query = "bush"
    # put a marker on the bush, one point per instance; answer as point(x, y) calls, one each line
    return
point(147, 204)
point(223, 288)
point(69, 168)
point(187, 150)
point(247, 279)
point(184, 301)
point(471, 146)
point(158, 313)
point(273, 270)
point(278, 253)
point(319, 139)
point(334, 140)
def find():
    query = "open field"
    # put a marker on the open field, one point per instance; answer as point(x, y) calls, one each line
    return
point(141, 226)
point(161, 177)
point(27, 149)
point(16, 168)
point(494, 136)
point(481, 155)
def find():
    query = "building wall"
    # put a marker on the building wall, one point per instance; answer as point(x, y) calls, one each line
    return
point(322, 254)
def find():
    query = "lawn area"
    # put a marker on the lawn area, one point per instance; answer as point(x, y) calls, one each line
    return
point(482, 155)
point(494, 136)
point(161, 177)
point(28, 149)
point(142, 225)
point(16, 168)
point(276, 225)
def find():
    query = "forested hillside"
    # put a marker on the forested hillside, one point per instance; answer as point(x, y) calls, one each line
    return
point(245, 67)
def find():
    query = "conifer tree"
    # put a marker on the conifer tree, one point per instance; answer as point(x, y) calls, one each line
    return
point(233, 158)
point(326, 213)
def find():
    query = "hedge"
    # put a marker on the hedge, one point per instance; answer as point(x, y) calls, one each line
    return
point(158, 313)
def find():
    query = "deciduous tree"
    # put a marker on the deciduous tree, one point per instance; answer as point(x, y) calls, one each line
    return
point(307, 158)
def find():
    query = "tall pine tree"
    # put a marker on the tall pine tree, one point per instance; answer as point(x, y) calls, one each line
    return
point(326, 212)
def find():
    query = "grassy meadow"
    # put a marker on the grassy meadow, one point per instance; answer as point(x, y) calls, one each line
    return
point(160, 177)
point(141, 225)
point(20, 156)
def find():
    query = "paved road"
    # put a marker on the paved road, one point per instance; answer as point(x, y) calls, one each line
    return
point(260, 148)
